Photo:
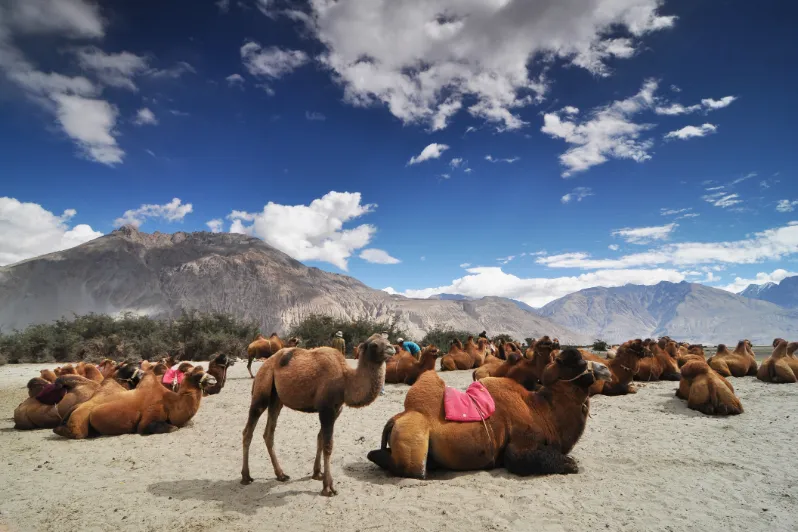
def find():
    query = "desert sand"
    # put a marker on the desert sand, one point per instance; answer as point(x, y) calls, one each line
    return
point(646, 463)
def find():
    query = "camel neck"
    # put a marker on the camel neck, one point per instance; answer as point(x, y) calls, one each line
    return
point(569, 406)
point(363, 383)
point(181, 406)
point(427, 361)
point(623, 369)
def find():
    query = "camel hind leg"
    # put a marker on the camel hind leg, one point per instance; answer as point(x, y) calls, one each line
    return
point(408, 434)
point(261, 397)
point(327, 418)
point(250, 358)
point(275, 406)
point(538, 460)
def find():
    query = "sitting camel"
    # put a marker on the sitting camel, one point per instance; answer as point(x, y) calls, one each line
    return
point(45, 408)
point(218, 368)
point(661, 366)
point(149, 408)
point(529, 432)
point(477, 351)
point(314, 380)
point(707, 391)
point(528, 371)
point(456, 358)
point(623, 367)
point(90, 371)
point(106, 367)
point(265, 347)
point(405, 369)
point(792, 360)
point(686, 353)
point(508, 350)
point(739, 363)
point(776, 368)
point(48, 375)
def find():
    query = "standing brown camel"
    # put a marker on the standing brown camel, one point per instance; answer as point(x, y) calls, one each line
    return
point(315, 380)
point(706, 391)
point(623, 368)
point(776, 368)
point(404, 368)
point(739, 363)
point(529, 432)
point(266, 347)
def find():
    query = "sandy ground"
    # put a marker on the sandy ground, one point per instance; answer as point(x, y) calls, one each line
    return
point(646, 463)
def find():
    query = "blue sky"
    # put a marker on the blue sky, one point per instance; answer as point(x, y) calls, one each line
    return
point(417, 145)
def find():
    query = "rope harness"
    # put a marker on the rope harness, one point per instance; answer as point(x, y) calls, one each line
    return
point(488, 432)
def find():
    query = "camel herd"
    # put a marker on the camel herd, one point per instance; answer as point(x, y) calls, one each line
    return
point(539, 396)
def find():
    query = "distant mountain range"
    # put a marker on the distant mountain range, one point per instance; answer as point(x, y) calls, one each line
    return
point(784, 293)
point(161, 274)
point(685, 311)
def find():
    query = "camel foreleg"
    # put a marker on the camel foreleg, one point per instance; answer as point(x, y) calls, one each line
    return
point(327, 418)
point(255, 411)
point(540, 460)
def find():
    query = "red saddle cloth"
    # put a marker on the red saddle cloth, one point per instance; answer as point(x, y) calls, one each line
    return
point(475, 404)
point(51, 394)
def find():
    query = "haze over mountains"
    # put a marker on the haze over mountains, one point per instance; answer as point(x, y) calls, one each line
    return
point(160, 274)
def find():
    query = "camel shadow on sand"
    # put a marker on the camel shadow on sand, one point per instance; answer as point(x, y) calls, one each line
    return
point(232, 496)
point(365, 471)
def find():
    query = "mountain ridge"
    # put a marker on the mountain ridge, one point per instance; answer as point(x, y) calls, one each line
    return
point(784, 293)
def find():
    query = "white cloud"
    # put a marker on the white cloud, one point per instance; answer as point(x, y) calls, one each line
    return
point(718, 104)
point(510, 160)
point(505, 260)
point(608, 132)
point(314, 116)
point(456, 162)
point(492, 281)
point(144, 116)
point(180, 68)
point(689, 132)
point(378, 256)
point(578, 194)
point(675, 88)
point(174, 211)
point(311, 232)
point(433, 57)
point(114, 70)
point(570, 110)
point(771, 244)
point(670, 212)
point(271, 63)
point(786, 205)
point(28, 230)
point(223, 5)
point(468, 170)
point(722, 199)
point(90, 123)
point(465, 265)
point(776, 276)
point(235, 80)
point(613, 247)
point(645, 235)
point(445, 176)
point(216, 225)
point(688, 215)
point(72, 18)
point(432, 151)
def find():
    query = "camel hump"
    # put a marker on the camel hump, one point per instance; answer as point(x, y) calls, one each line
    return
point(286, 357)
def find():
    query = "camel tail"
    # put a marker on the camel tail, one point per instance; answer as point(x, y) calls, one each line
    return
point(386, 433)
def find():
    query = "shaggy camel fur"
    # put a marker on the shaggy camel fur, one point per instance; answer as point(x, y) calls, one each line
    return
point(90, 371)
point(218, 368)
point(685, 353)
point(477, 351)
point(529, 433)
point(48, 375)
point(792, 361)
point(106, 367)
point(776, 368)
point(315, 380)
point(456, 358)
point(149, 408)
point(623, 368)
point(404, 368)
point(706, 391)
point(508, 350)
point(739, 363)
point(661, 366)
point(72, 390)
point(525, 371)
point(266, 347)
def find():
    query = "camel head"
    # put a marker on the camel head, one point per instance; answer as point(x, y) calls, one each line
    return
point(779, 348)
point(222, 360)
point(544, 347)
point(66, 370)
point(637, 348)
point(129, 373)
point(197, 378)
point(273, 336)
point(376, 349)
point(792, 347)
point(36, 385)
point(556, 344)
point(569, 366)
point(431, 350)
point(482, 344)
point(777, 341)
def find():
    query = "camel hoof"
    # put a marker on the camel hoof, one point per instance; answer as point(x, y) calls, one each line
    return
point(247, 480)
point(328, 492)
point(317, 476)
point(571, 466)
point(283, 478)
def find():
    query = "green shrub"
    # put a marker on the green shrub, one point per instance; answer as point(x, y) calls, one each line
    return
point(599, 345)
point(442, 338)
point(505, 338)
point(318, 330)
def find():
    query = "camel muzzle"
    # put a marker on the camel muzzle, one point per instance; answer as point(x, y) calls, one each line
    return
point(600, 371)
point(207, 380)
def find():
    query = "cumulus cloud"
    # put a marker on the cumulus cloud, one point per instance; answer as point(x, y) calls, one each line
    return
point(91, 124)
point(216, 225)
point(145, 116)
point(174, 211)
point(29, 230)
point(378, 256)
point(271, 63)
point(689, 132)
point(577, 194)
point(645, 235)
point(509, 160)
point(718, 104)
point(613, 247)
point(114, 70)
point(311, 232)
point(432, 151)
point(771, 244)
point(235, 80)
point(786, 205)
point(607, 132)
point(740, 284)
point(492, 281)
point(433, 58)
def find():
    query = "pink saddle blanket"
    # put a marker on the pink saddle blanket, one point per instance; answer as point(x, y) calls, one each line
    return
point(51, 394)
point(172, 374)
point(475, 404)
